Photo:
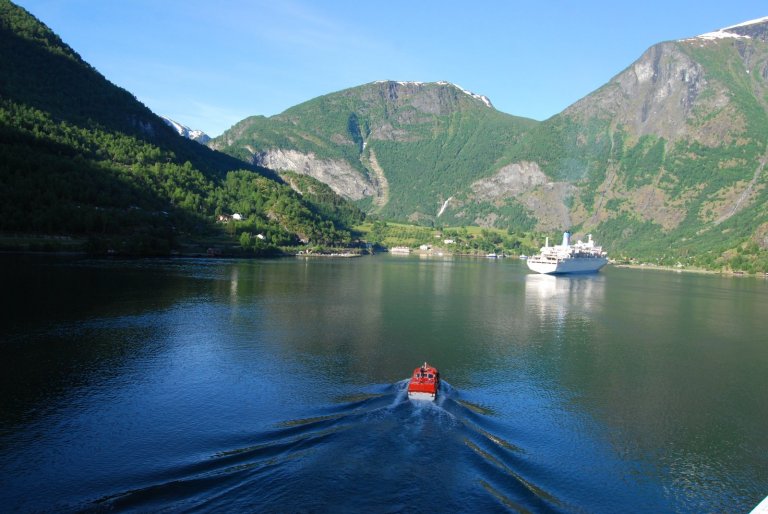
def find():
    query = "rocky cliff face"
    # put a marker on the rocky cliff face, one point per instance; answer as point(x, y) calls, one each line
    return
point(338, 174)
point(527, 184)
point(511, 180)
point(670, 94)
point(433, 98)
point(658, 95)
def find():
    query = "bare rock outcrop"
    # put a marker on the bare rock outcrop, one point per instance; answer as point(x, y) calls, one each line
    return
point(659, 94)
point(511, 180)
point(340, 176)
point(524, 181)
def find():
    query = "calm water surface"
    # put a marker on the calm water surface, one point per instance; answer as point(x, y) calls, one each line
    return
point(279, 386)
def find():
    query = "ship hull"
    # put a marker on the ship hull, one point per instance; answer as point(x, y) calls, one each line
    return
point(567, 266)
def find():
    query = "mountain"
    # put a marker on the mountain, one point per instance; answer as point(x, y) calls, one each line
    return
point(184, 131)
point(400, 149)
point(665, 161)
point(668, 157)
point(82, 157)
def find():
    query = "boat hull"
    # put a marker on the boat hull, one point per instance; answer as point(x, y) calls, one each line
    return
point(422, 396)
point(567, 266)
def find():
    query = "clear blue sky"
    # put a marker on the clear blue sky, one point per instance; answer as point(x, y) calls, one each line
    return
point(210, 64)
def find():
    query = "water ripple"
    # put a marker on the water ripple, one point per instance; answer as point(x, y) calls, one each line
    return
point(416, 451)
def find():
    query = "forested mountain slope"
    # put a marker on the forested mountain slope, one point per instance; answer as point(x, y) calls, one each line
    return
point(81, 156)
point(400, 148)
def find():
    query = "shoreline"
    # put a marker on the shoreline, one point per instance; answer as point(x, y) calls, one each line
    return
point(70, 247)
point(701, 271)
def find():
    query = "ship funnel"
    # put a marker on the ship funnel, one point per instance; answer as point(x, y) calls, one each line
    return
point(566, 238)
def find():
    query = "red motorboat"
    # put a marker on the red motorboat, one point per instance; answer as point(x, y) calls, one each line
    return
point(424, 383)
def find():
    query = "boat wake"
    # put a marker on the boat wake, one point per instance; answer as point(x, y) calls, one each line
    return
point(372, 452)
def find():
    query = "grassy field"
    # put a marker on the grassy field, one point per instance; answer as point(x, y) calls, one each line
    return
point(462, 240)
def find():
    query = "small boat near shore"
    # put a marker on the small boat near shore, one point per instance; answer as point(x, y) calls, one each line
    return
point(424, 383)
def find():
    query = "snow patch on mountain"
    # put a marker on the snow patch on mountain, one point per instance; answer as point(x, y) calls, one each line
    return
point(482, 98)
point(720, 34)
point(184, 131)
point(746, 23)
point(728, 32)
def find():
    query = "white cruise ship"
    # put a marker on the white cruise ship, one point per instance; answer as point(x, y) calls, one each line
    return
point(567, 258)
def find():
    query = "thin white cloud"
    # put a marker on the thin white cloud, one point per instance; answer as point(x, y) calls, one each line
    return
point(291, 26)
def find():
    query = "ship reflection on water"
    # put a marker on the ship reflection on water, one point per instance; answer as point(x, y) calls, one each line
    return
point(550, 296)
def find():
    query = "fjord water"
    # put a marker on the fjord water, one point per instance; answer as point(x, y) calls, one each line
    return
point(279, 386)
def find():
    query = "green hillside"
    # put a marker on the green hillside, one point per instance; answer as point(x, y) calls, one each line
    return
point(664, 163)
point(82, 157)
point(427, 140)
